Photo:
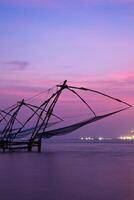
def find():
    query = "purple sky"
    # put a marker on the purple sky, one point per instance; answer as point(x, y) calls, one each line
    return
point(88, 42)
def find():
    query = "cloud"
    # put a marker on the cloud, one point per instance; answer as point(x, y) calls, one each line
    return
point(116, 84)
point(14, 65)
point(21, 65)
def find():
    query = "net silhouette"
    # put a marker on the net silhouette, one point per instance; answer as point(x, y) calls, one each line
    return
point(24, 125)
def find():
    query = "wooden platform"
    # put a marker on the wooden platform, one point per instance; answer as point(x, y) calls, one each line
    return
point(14, 145)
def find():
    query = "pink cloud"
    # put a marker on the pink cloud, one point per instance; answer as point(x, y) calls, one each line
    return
point(117, 84)
point(123, 76)
point(20, 92)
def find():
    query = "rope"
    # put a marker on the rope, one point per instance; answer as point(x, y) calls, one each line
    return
point(32, 97)
point(95, 91)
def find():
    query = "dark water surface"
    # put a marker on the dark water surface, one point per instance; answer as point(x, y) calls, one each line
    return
point(69, 172)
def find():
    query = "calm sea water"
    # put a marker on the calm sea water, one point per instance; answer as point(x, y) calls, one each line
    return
point(69, 172)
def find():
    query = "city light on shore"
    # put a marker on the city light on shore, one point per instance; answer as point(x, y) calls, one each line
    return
point(126, 137)
point(129, 137)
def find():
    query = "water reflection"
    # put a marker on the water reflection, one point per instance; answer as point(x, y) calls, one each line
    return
point(69, 172)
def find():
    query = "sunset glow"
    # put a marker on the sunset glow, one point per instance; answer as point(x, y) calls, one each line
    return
point(87, 42)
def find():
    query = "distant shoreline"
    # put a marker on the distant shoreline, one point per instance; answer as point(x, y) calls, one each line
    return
point(114, 141)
